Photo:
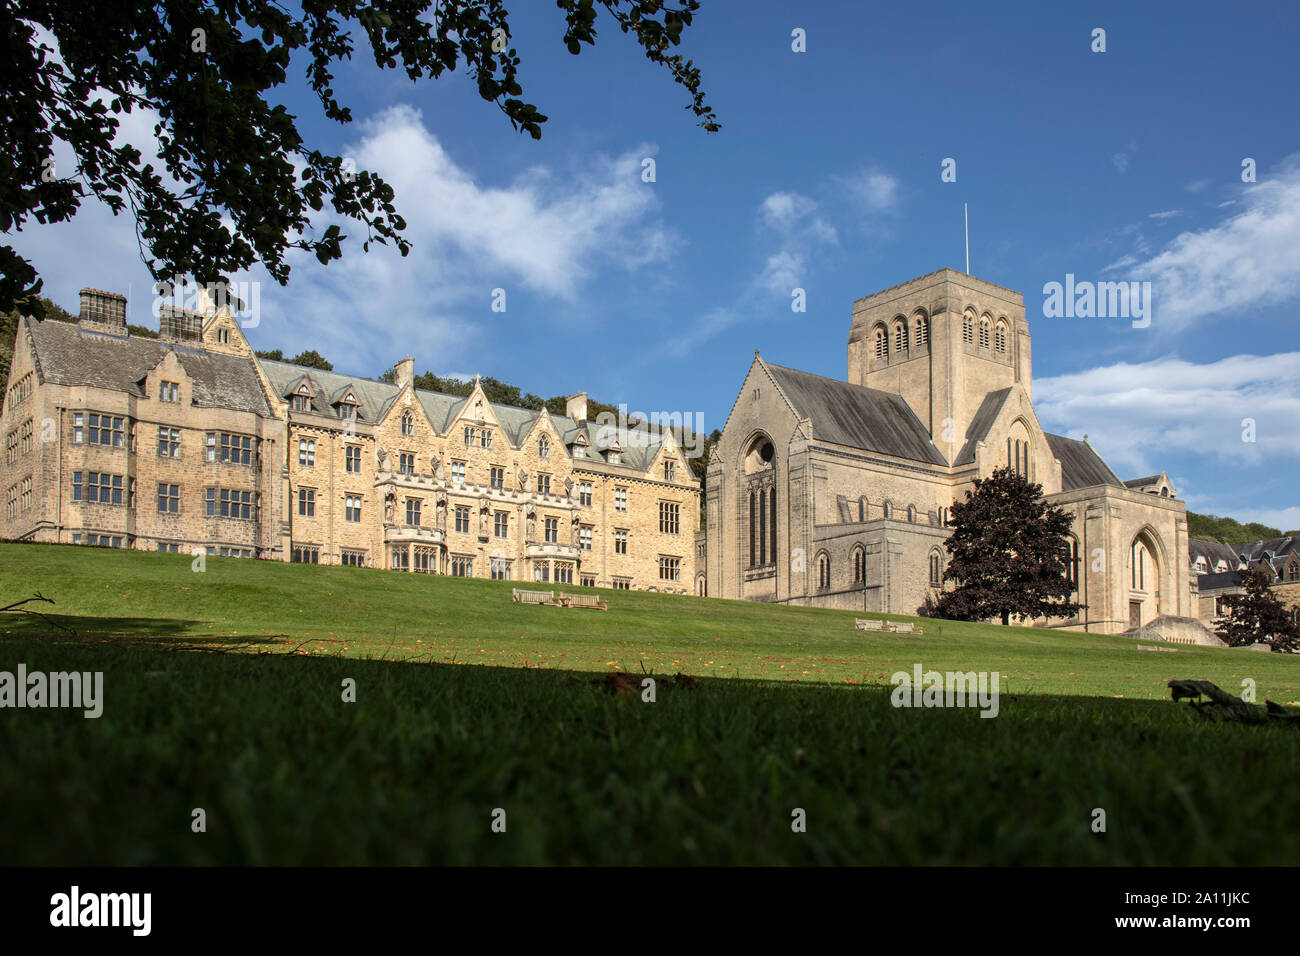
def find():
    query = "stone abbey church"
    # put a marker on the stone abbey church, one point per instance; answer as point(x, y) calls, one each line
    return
point(190, 443)
point(820, 491)
point(837, 493)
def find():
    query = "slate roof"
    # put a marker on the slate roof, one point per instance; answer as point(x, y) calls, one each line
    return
point(1212, 551)
point(1141, 482)
point(857, 416)
point(374, 399)
point(1081, 467)
point(70, 355)
point(1214, 582)
point(1254, 550)
point(984, 418)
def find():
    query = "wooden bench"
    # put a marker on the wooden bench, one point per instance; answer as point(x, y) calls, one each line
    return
point(905, 627)
point(866, 625)
point(535, 597)
point(584, 600)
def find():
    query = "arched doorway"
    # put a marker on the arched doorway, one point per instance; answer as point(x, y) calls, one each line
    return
point(1144, 574)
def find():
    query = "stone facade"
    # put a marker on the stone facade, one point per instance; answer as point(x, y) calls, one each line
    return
point(191, 442)
point(837, 493)
point(1216, 570)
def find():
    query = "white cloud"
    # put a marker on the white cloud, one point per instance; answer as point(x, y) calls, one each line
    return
point(1284, 519)
point(1120, 161)
point(546, 232)
point(783, 272)
point(1167, 214)
point(702, 330)
point(1249, 259)
point(876, 190)
point(794, 218)
point(782, 210)
point(1137, 414)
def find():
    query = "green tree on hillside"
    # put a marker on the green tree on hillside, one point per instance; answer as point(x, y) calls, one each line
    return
point(308, 359)
point(1228, 530)
point(1257, 616)
point(251, 188)
point(1010, 554)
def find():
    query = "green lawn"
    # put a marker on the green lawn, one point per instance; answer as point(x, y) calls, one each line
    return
point(791, 710)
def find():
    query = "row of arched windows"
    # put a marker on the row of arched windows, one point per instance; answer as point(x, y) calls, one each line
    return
point(859, 560)
point(990, 334)
point(904, 341)
point(887, 510)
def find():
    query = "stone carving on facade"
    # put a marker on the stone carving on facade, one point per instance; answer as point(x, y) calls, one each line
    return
point(390, 504)
point(523, 480)
point(383, 458)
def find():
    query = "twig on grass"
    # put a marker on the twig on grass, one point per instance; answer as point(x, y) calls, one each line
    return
point(18, 607)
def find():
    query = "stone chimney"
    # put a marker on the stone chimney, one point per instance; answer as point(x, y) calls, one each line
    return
point(180, 325)
point(404, 372)
point(575, 406)
point(103, 311)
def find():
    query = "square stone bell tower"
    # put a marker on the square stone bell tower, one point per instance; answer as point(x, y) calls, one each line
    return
point(942, 342)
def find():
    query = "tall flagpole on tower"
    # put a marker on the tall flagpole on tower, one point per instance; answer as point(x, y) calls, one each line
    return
point(966, 214)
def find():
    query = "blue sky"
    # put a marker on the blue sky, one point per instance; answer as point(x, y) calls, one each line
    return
point(1122, 165)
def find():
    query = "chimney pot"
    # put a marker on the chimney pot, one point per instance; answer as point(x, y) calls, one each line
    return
point(404, 371)
point(104, 310)
point(575, 406)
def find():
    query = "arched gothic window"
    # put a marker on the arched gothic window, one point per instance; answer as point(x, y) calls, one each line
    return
point(882, 343)
point(922, 331)
point(984, 333)
point(1000, 339)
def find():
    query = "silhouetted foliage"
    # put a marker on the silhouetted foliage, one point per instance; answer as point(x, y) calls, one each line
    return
point(1257, 616)
point(1010, 554)
point(250, 186)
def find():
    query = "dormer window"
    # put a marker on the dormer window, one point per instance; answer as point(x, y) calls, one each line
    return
point(348, 411)
point(670, 471)
point(614, 457)
point(301, 403)
point(579, 451)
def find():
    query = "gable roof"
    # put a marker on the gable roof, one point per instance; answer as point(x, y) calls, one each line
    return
point(1081, 466)
point(1212, 551)
point(857, 416)
point(984, 418)
point(375, 398)
point(70, 355)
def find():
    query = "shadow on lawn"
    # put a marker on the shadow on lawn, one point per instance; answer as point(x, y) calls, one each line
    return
point(155, 633)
